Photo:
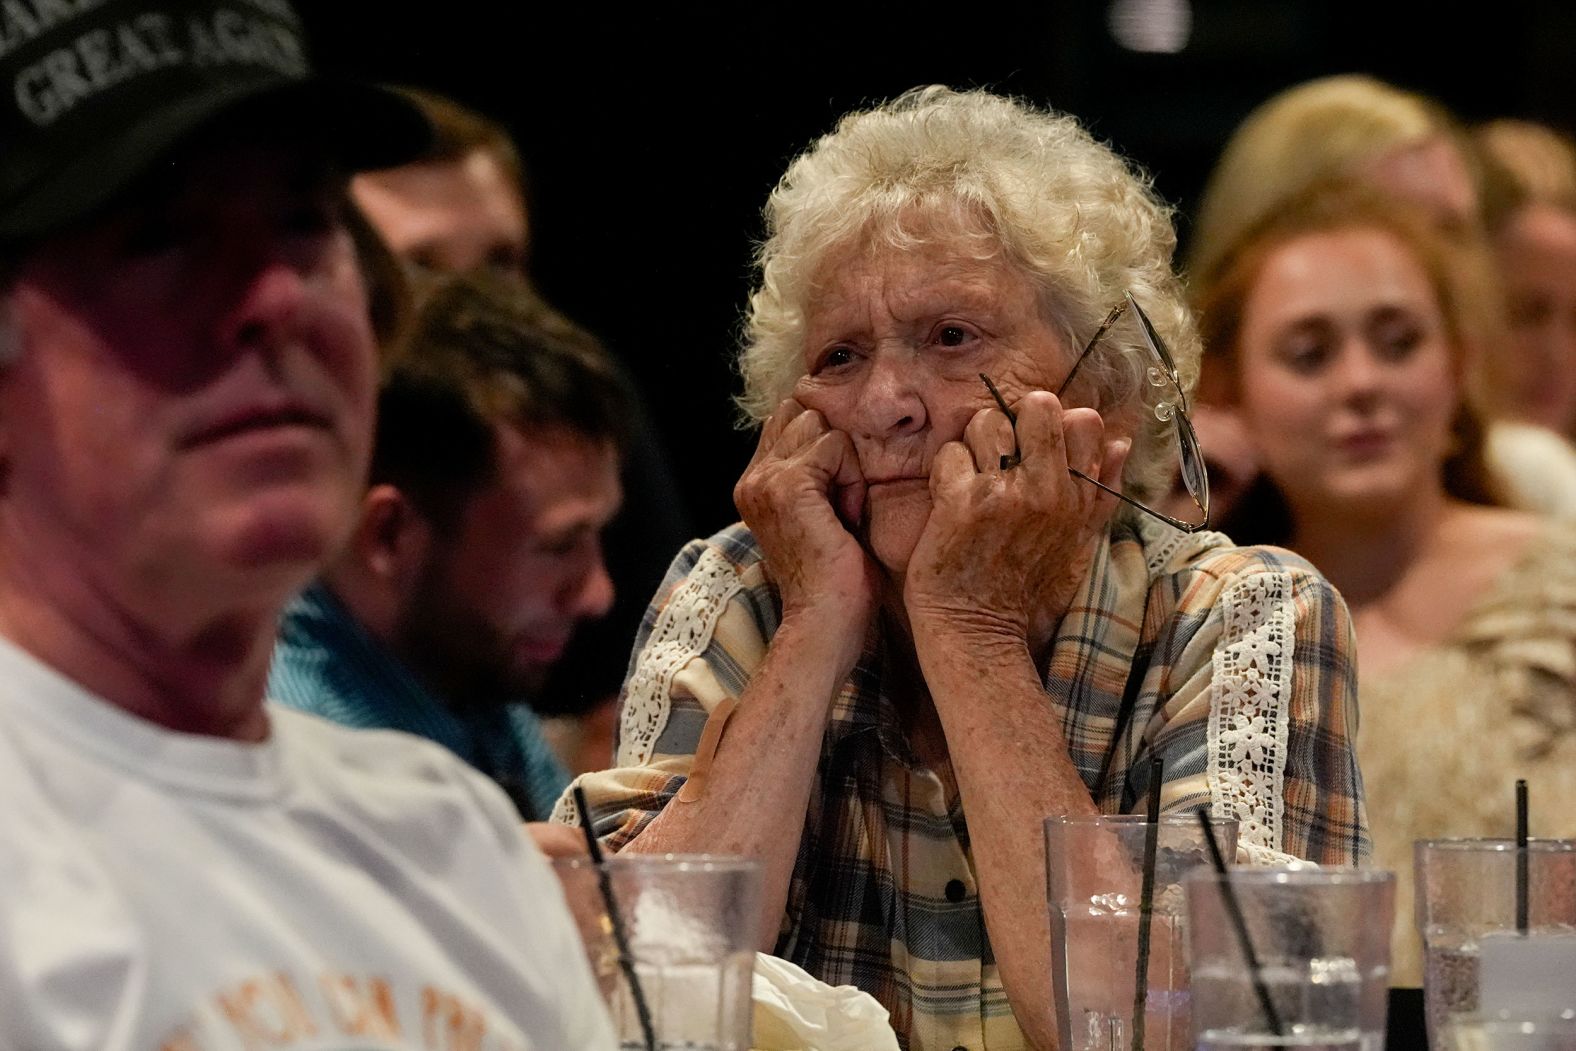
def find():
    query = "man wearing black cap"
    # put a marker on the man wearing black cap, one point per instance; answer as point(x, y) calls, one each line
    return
point(186, 401)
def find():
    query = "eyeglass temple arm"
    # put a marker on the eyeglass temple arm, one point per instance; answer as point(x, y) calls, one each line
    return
point(1186, 527)
point(1012, 418)
point(1099, 334)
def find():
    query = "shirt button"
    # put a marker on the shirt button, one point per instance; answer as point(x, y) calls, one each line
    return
point(956, 892)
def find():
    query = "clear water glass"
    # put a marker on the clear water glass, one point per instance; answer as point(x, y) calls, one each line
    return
point(1094, 868)
point(1321, 937)
point(690, 922)
point(1466, 893)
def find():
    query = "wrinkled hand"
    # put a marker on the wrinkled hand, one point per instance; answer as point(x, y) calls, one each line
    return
point(802, 495)
point(1004, 551)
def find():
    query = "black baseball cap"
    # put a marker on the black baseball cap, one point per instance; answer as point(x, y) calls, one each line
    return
point(102, 89)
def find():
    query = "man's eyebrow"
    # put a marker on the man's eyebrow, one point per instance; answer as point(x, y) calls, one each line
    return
point(590, 522)
point(568, 529)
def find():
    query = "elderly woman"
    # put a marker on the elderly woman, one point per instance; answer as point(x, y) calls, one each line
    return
point(930, 632)
point(1335, 330)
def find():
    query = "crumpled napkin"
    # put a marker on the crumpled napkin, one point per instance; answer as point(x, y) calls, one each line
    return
point(795, 1012)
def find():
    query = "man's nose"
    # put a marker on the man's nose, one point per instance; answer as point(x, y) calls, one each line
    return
point(591, 594)
point(272, 296)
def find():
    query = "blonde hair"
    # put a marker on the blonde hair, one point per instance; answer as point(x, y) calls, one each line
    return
point(1314, 132)
point(1007, 179)
point(1523, 164)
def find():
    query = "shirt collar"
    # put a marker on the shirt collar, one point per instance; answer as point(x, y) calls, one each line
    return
point(383, 681)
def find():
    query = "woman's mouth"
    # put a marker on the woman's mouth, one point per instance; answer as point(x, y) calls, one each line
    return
point(1366, 444)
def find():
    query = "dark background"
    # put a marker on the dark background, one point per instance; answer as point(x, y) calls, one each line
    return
point(653, 136)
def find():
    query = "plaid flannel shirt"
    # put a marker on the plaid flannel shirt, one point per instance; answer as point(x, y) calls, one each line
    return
point(1235, 664)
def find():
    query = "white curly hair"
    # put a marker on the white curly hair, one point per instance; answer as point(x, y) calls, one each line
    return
point(1077, 219)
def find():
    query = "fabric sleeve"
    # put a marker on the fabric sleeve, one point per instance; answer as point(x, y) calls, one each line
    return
point(1262, 725)
point(699, 643)
point(1325, 819)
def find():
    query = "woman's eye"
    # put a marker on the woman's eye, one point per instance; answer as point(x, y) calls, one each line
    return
point(1304, 356)
point(1530, 313)
point(1402, 344)
point(952, 335)
point(1396, 340)
point(837, 357)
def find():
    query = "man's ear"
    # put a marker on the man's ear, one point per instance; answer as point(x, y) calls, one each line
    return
point(392, 537)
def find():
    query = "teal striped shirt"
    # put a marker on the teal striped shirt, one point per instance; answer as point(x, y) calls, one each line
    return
point(325, 663)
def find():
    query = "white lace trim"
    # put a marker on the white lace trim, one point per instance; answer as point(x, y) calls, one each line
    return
point(1250, 690)
point(682, 632)
point(1162, 543)
point(565, 812)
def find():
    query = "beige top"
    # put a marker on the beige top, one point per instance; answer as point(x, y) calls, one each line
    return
point(1443, 738)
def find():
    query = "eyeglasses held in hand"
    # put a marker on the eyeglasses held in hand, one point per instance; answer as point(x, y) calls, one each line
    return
point(1195, 477)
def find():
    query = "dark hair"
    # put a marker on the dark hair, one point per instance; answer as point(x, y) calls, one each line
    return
point(483, 350)
point(459, 131)
point(1458, 271)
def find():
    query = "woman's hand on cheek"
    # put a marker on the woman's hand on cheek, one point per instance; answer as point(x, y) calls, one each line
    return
point(1005, 548)
point(801, 495)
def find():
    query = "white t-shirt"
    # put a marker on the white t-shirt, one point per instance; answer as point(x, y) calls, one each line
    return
point(326, 890)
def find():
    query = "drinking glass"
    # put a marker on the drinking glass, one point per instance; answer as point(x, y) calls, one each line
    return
point(1319, 967)
point(1095, 872)
point(1466, 897)
point(1470, 1033)
point(690, 930)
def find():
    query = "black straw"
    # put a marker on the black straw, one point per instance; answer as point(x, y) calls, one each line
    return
point(1146, 904)
point(1234, 910)
point(1521, 855)
point(626, 961)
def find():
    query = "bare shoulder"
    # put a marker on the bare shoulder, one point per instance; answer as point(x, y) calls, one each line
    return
point(1497, 536)
point(1478, 551)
